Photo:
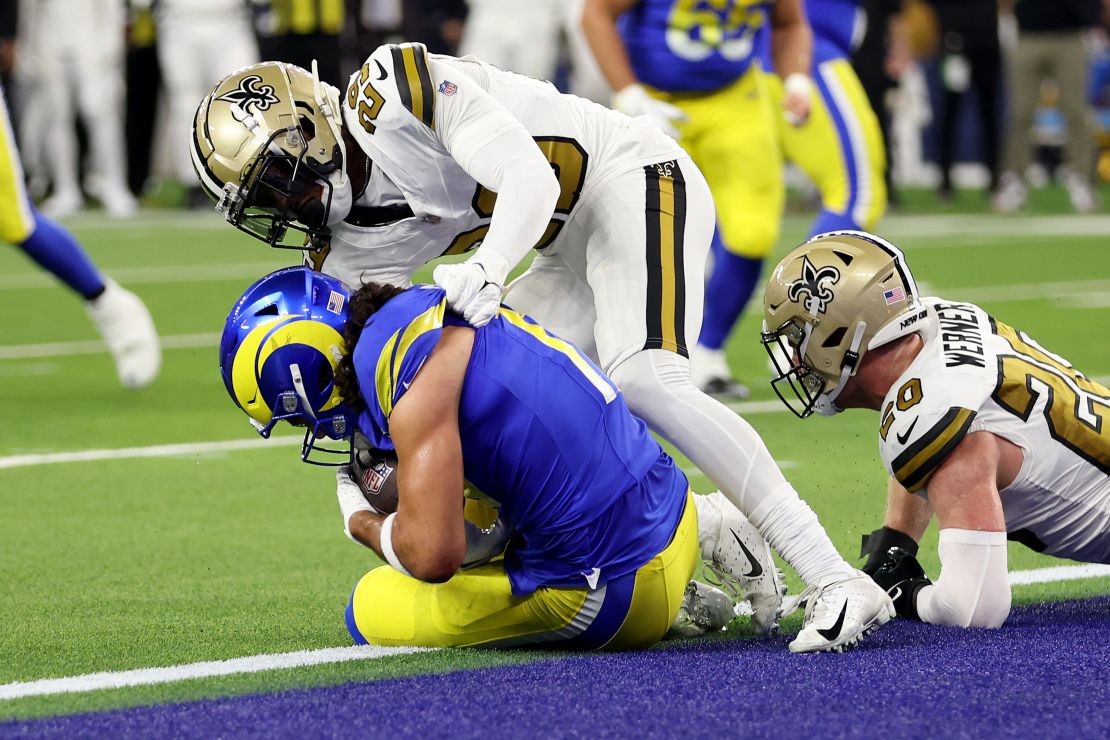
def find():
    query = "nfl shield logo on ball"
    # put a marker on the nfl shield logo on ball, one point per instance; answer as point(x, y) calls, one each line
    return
point(374, 477)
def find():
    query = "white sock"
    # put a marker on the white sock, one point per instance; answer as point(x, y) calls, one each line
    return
point(656, 384)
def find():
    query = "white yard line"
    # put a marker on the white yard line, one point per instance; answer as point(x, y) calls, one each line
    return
point(207, 669)
point(131, 453)
point(96, 346)
point(991, 226)
point(1063, 290)
point(926, 224)
point(302, 658)
point(238, 272)
point(1058, 573)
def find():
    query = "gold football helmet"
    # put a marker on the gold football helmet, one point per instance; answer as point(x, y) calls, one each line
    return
point(268, 148)
point(827, 303)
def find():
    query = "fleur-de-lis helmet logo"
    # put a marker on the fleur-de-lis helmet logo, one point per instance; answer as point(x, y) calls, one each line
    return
point(810, 284)
point(251, 93)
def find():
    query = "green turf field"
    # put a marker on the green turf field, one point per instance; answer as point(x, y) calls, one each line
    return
point(127, 563)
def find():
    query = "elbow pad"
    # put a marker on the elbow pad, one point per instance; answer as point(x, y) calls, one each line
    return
point(974, 588)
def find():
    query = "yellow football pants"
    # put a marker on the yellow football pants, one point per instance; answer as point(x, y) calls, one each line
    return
point(477, 608)
point(16, 220)
point(732, 137)
point(840, 148)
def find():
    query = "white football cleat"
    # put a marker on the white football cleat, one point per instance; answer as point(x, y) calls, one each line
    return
point(839, 613)
point(128, 329)
point(737, 554)
point(704, 609)
point(1010, 195)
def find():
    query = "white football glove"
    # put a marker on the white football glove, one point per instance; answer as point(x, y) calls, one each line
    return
point(634, 101)
point(470, 291)
point(351, 500)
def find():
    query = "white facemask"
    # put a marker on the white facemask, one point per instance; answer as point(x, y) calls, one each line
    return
point(342, 197)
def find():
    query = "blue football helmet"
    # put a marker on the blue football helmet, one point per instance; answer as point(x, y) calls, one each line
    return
point(281, 345)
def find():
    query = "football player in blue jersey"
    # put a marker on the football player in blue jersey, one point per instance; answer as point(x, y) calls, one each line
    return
point(694, 68)
point(605, 536)
point(119, 315)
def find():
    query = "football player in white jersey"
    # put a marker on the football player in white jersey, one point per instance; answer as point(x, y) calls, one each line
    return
point(425, 155)
point(979, 425)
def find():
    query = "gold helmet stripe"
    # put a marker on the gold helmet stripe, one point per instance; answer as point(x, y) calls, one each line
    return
point(244, 376)
point(263, 341)
point(414, 81)
point(919, 461)
point(321, 337)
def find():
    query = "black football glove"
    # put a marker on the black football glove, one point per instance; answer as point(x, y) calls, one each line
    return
point(901, 576)
point(876, 546)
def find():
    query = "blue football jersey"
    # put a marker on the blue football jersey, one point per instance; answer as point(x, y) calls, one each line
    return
point(692, 45)
point(589, 493)
point(837, 28)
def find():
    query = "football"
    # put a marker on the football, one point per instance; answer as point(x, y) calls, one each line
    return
point(375, 472)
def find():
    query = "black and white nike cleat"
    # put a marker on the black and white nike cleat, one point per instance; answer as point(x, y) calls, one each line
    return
point(736, 553)
point(839, 613)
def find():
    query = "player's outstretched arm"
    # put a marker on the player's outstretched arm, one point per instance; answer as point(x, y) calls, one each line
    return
point(426, 538)
point(973, 589)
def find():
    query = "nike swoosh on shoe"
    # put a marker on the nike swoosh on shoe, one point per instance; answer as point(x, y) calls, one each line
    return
point(757, 569)
point(833, 632)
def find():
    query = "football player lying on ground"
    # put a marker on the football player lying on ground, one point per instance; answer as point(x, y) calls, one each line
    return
point(979, 425)
point(604, 534)
point(437, 155)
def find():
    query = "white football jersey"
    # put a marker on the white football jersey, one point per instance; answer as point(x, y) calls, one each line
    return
point(977, 374)
point(421, 117)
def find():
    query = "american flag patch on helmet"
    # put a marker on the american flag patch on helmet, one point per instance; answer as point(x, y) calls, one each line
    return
point(894, 295)
point(335, 302)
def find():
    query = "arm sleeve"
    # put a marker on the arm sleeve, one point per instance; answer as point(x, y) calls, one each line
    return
point(494, 148)
point(973, 589)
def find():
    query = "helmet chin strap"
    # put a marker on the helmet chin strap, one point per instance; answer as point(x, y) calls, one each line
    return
point(825, 404)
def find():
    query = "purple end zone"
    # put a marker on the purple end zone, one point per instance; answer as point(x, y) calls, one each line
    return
point(1046, 674)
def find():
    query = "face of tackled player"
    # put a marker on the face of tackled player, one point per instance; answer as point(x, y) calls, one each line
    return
point(268, 147)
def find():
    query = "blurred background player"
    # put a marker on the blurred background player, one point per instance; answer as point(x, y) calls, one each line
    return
point(840, 146)
point(694, 71)
point(971, 61)
point(72, 53)
point(880, 57)
point(199, 41)
point(1051, 43)
point(519, 36)
point(119, 315)
point(304, 30)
